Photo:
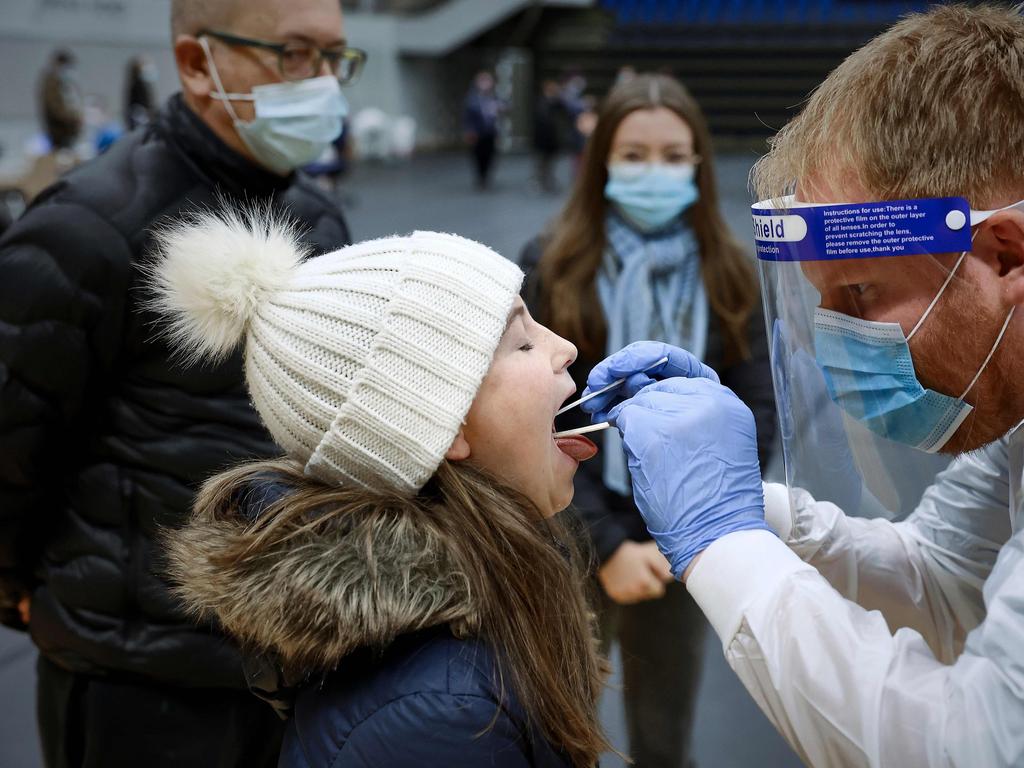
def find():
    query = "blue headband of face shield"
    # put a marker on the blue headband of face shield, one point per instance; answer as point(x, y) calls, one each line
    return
point(867, 365)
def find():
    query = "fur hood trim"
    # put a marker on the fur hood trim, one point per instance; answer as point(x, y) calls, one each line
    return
point(311, 598)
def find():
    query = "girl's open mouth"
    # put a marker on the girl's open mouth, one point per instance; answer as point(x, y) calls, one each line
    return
point(575, 447)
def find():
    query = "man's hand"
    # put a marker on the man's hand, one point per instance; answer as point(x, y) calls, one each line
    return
point(692, 452)
point(635, 572)
point(634, 365)
point(24, 609)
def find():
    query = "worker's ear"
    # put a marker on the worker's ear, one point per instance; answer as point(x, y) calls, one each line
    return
point(459, 450)
point(193, 67)
point(999, 244)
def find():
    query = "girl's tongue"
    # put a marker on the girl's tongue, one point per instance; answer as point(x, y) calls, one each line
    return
point(576, 447)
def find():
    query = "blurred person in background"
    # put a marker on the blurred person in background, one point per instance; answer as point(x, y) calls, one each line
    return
point(574, 87)
point(61, 104)
point(140, 93)
point(103, 436)
point(581, 109)
point(334, 164)
point(626, 73)
point(548, 121)
point(481, 111)
point(641, 252)
point(101, 129)
point(583, 126)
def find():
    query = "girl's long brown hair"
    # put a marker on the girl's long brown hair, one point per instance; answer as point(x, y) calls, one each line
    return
point(521, 575)
point(568, 268)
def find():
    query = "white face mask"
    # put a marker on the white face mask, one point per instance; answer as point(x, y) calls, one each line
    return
point(295, 121)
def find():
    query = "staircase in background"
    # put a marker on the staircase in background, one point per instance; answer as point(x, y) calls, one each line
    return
point(750, 63)
point(832, 12)
point(449, 25)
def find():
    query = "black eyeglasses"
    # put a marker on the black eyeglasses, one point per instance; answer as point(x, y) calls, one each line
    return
point(300, 61)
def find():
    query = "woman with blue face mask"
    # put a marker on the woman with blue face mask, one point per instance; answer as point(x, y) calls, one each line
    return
point(641, 252)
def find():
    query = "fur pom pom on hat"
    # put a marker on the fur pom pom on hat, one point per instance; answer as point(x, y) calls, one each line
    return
point(362, 362)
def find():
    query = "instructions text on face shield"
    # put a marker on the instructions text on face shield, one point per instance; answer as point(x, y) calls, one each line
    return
point(861, 230)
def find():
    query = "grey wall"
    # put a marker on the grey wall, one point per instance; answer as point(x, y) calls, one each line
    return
point(104, 34)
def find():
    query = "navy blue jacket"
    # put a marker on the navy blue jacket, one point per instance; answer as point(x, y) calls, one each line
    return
point(336, 615)
point(428, 700)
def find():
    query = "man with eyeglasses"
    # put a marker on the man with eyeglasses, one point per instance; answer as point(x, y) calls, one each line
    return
point(104, 437)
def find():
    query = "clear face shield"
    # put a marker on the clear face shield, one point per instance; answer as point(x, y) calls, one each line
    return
point(870, 382)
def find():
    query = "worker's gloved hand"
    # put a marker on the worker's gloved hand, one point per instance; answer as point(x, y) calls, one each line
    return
point(630, 363)
point(692, 451)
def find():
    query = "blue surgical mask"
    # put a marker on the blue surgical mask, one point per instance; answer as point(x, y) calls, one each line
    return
point(870, 374)
point(650, 196)
point(295, 121)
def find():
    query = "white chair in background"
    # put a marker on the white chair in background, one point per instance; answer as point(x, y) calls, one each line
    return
point(403, 137)
point(372, 134)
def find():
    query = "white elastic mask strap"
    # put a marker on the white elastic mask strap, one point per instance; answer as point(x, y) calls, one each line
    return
point(221, 94)
point(984, 365)
point(949, 279)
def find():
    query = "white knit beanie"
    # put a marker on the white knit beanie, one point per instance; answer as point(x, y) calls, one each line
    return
point(363, 362)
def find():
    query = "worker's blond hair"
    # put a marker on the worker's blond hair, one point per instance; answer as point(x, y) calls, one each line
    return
point(932, 107)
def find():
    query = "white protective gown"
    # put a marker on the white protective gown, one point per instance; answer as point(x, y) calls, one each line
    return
point(871, 643)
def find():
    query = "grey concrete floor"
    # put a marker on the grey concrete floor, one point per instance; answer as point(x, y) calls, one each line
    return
point(435, 192)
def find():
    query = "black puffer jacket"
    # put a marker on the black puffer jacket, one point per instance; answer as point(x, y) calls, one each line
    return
point(103, 439)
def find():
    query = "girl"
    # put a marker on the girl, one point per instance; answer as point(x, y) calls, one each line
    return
point(641, 252)
point(400, 561)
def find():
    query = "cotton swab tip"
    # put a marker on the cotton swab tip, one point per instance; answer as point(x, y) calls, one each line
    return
point(583, 430)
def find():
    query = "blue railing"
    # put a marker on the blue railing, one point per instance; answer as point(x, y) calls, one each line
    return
point(628, 12)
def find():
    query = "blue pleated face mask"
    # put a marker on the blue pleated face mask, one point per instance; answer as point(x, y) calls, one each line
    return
point(294, 121)
point(870, 374)
point(651, 195)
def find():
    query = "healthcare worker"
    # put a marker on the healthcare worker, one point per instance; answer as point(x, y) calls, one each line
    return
point(891, 283)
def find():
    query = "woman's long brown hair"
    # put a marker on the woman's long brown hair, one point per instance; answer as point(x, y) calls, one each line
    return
point(522, 573)
point(568, 268)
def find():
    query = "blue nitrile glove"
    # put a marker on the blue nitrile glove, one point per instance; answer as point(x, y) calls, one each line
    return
point(629, 364)
point(692, 451)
